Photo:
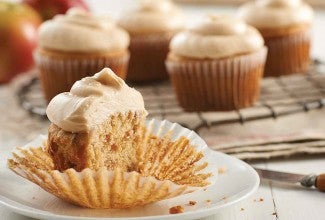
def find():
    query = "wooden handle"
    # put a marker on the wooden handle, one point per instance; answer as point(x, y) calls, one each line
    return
point(320, 182)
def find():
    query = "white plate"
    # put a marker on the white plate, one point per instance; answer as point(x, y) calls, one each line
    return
point(238, 182)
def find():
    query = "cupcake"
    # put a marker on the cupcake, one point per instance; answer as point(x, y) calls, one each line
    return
point(96, 124)
point(76, 44)
point(151, 26)
point(216, 64)
point(99, 152)
point(285, 26)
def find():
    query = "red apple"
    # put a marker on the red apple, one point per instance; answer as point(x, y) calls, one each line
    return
point(49, 8)
point(18, 38)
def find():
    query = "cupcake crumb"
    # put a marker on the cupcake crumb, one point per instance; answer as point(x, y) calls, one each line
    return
point(208, 200)
point(274, 213)
point(259, 200)
point(242, 209)
point(205, 189)
point(222, 170)
point(191, 203)
point(176, 209)
point(223, 198)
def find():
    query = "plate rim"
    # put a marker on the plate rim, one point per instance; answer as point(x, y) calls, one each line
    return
point(37, 213)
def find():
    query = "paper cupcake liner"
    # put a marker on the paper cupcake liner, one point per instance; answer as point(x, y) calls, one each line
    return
point(148, 54)
point(103, 188)
point(288, 54)
point(58, 73)
point(217, 85)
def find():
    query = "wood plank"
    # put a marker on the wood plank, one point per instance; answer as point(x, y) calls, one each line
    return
point(295, 202)
point(252, 208)
point(258, 206)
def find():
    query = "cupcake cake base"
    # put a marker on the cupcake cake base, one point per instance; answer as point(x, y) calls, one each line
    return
point(58, 71)
point(217, 85)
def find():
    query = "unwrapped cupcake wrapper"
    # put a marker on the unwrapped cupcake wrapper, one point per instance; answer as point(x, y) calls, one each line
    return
point(218, 85)
point(103, 188)
point(58, 74)
point(148, 54)
point(288, 54)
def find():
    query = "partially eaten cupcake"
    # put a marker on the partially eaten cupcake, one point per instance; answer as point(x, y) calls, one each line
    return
point(100, 154)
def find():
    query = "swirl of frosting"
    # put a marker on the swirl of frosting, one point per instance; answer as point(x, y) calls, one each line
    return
point(152, 16)
point(79, 31)
point(91, 101)
point(216, 37)
point(276, 13)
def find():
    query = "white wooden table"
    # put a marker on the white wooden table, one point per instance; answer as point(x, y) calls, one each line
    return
point(272, 200)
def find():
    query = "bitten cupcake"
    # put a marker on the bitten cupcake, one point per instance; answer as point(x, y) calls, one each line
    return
point(100, 153)
point(216, 64)
point(75, 44)
point(285, 26)
point(151, 26)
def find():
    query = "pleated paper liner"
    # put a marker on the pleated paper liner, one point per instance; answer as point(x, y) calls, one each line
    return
point(148, 54)
point(58, 71)
point(217, 85)
point(175, 161)
point(288, 54)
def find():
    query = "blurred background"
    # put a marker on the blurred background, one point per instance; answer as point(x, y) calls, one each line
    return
point(285, 130)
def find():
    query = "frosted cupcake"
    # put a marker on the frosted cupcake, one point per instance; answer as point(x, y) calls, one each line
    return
point(100, 153)
point(151, 26)
point(285, 26)
point(216, 64)
point(75, 45)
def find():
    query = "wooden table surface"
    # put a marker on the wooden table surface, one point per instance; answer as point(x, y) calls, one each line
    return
point(272, 200)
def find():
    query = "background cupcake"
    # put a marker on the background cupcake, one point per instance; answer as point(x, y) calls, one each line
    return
point(75, 45)
point(151, 26)
point(216, 64)
point(285, 26)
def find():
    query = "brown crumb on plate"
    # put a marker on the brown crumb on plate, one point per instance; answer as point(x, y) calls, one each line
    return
point(191, 203)
point(208, 200)
point(259, 200)
point(242, 209)
point(176, 209)
point(274, 213)
point(223, 198)
point(222, 170)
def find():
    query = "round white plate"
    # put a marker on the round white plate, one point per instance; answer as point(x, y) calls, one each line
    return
point(238, 182)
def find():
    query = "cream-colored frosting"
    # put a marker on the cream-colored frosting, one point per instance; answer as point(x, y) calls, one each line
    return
point(216, 37)
point(79, 31)
point(152, 16)
point(92, 100)
point(276, 13)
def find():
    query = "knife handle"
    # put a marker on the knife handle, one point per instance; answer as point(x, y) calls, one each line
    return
point(320, 182)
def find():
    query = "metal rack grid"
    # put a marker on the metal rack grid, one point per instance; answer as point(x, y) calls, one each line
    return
point(279, 97)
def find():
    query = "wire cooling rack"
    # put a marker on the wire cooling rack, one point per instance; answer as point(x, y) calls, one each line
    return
point(279, 97)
